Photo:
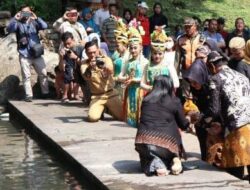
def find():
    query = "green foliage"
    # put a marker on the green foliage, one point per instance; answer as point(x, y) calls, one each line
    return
point(177, 10)
point(47, 9)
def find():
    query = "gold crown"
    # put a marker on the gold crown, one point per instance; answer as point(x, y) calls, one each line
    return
point(158, 39)
point(134, 35)
point(121, 31)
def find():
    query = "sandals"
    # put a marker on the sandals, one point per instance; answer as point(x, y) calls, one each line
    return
point(65, 100)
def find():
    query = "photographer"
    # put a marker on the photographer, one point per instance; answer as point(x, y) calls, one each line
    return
point(98, 71)
point(26, 25)
point(68, 23)
point(71, 54)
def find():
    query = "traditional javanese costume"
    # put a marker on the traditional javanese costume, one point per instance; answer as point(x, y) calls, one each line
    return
point(133, 69)
point(152, 70)
point(119, 59)
point(121, 36)
point(230, 97)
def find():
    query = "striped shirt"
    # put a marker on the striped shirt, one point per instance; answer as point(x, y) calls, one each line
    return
point(108, 27)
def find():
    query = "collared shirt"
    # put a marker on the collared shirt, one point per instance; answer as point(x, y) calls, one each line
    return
point(29, 32)
point(99, 81)
point(77, 29)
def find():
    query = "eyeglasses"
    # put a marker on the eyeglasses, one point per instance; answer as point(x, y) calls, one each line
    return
point(72, 14)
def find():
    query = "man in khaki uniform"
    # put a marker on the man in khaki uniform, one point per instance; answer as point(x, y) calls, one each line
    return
point(98, 71)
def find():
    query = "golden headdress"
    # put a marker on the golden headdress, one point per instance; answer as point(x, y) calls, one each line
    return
point(135, 31)
point(158, 39)
point(121, 31)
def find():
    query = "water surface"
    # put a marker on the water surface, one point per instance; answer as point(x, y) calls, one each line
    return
point(24, 165)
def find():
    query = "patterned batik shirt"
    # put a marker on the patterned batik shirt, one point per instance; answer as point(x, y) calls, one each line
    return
point(230, 98)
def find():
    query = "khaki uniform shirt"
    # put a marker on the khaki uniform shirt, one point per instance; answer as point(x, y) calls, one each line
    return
point(101, 81)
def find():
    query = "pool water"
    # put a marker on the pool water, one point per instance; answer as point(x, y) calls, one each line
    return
point(24, 165)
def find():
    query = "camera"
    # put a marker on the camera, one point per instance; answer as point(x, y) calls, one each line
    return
point(68, 51)
point(99, 62)
point(25, 15)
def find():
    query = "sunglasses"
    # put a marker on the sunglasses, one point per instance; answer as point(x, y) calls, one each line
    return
point(72, 14)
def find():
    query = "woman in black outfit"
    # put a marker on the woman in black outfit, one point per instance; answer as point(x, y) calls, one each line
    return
point(158, 139)
point(157, 19)
point(127, 15)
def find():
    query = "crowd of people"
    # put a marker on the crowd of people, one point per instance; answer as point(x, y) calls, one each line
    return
point(195, 80)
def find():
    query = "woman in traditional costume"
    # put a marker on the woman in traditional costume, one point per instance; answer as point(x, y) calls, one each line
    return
point(156, 66)
point(131, 75)
point(121, 55)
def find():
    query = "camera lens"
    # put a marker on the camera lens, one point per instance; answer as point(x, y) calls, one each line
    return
point(99, 62)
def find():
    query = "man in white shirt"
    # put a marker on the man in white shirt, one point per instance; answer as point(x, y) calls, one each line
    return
point(102, 13)
point(68, 23)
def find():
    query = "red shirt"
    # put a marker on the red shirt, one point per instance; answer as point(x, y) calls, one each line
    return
point(145, 24)
point(224, 34)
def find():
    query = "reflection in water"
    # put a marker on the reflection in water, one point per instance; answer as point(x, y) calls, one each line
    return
point(23, 165)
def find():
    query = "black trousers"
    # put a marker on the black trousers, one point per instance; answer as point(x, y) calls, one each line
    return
point(239, 172)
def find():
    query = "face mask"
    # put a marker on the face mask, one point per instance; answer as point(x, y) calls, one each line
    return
point(169, 45)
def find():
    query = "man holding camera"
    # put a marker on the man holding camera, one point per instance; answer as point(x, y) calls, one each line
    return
point(72, 54)
point(98, 71)
point(68, 23)
point(26, 25)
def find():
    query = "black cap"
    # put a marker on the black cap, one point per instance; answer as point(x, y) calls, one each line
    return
point(214, 57)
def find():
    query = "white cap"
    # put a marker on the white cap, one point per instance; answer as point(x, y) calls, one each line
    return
point(143, 5)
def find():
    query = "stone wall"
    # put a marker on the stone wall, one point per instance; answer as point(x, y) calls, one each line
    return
point(10, 73)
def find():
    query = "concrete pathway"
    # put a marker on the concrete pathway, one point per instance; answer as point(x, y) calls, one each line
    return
point(105, 150)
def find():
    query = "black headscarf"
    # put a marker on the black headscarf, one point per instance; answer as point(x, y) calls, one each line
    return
point(198, 72)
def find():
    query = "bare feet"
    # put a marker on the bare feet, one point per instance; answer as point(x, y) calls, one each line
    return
point(176, 168)
point(161, 172)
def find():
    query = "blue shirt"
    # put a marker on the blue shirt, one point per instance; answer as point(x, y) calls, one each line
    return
point(216, 37)
point(29, 31)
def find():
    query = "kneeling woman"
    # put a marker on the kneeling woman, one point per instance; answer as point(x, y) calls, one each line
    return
point(158, 140)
